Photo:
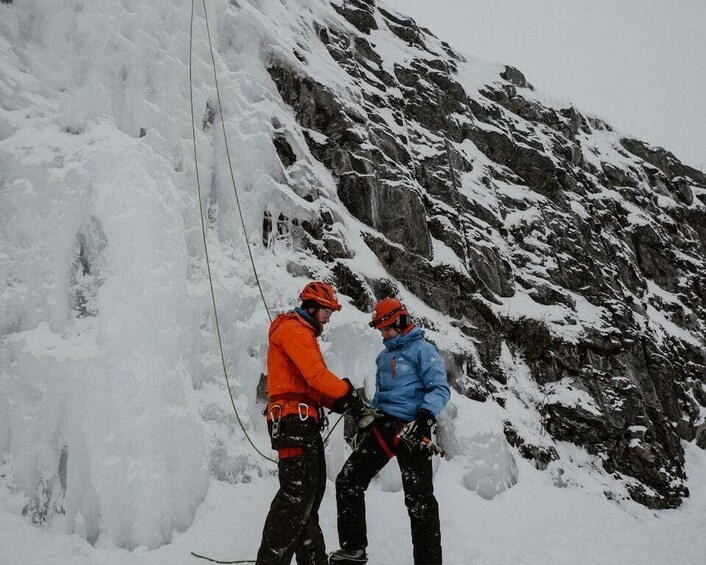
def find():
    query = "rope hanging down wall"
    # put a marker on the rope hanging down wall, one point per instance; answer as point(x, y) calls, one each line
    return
point(240, 213)
point(201, 214)
point(205, 241)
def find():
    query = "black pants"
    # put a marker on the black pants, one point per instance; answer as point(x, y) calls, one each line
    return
point(371, 455)
point(292, 525)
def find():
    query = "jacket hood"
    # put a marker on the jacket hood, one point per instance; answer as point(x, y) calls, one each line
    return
point(402, 339)
point(302, 318)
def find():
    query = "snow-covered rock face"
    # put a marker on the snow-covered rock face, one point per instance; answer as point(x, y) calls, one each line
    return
point(543, 230)
point(559, 267)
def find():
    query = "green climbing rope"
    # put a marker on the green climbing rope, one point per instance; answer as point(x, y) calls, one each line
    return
point(217, 561)
point(203, 223)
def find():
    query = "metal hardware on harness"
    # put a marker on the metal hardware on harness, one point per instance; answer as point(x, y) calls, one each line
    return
point(275, 419)
point(425, 443)
point(305, 415)
point(323, 418)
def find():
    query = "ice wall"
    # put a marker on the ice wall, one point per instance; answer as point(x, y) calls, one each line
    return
point(98, 421)
point(114, 410)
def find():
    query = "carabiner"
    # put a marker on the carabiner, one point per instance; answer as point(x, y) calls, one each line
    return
point(306, 411)
point(275, 419)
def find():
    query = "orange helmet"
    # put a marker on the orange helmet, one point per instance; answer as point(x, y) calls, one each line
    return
point(390, 312)
point(322, 293)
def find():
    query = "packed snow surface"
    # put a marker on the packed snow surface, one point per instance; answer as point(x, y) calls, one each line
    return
point(534, 522)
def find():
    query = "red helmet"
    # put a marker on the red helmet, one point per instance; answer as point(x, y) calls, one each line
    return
point(322, 293)
point(390, 312)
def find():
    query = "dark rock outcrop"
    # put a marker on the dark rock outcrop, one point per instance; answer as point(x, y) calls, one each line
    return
point(371, 183)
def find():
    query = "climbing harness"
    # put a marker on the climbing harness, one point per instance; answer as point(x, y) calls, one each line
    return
point(288, 404)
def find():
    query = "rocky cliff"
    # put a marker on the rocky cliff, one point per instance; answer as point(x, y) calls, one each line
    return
point(530, 225)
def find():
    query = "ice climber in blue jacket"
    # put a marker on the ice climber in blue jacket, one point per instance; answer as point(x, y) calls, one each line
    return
point(411, 389)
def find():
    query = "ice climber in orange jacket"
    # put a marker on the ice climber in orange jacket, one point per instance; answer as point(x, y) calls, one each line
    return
point(299, 386)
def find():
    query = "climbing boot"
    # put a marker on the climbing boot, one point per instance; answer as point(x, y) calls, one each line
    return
point(344, 557)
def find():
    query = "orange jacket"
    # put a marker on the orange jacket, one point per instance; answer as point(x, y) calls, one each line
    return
point(295, 365)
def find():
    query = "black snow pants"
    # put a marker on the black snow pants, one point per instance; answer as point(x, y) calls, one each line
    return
point(292, 525)
point(372, 453)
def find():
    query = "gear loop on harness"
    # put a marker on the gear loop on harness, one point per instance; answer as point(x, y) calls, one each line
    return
point(305, 414)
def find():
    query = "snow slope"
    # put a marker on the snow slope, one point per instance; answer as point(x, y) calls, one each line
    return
point(535, 522)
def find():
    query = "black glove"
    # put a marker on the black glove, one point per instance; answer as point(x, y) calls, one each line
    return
point(350, 402)
point(420, 427)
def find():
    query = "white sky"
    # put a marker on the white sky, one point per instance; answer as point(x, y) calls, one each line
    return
point(639, 64)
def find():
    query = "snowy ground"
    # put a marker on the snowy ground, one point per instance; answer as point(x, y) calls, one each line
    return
point(534, 522)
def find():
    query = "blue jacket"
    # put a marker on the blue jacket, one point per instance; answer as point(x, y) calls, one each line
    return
point(410, 376)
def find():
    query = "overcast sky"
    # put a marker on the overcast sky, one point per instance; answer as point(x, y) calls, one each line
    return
point(639, 64)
